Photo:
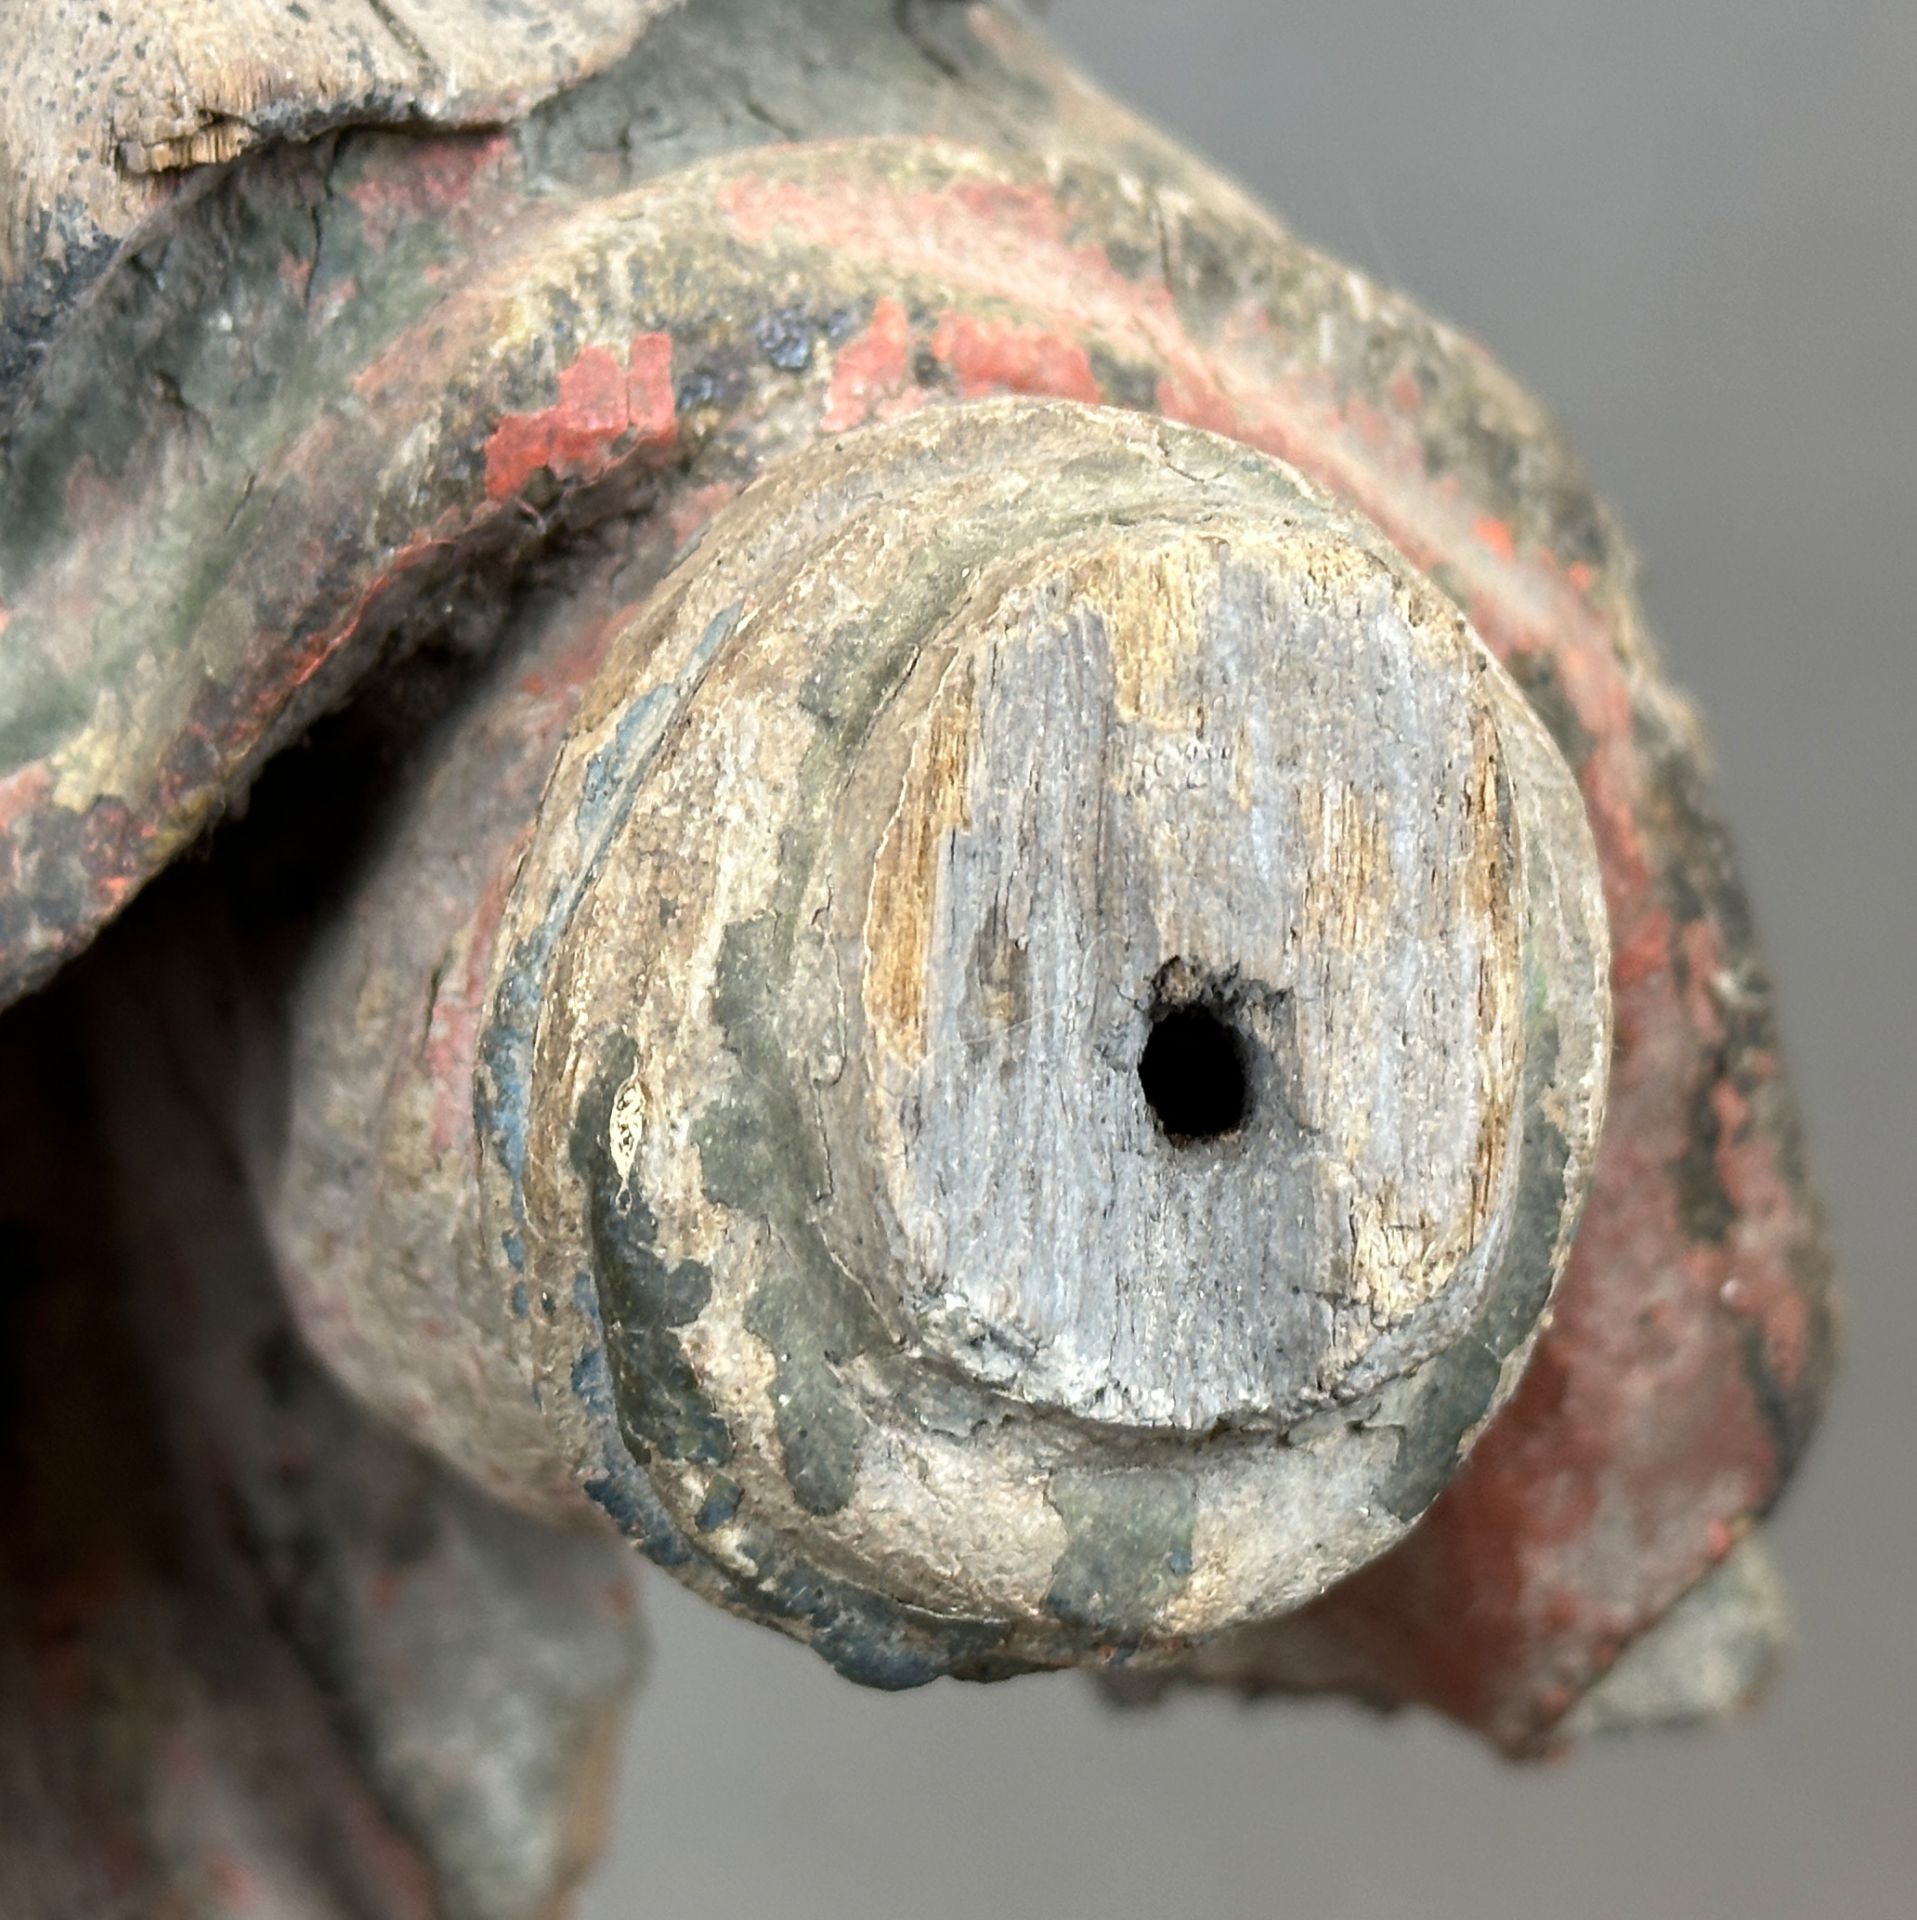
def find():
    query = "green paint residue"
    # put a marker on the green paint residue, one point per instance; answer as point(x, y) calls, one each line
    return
point(1129, 1551)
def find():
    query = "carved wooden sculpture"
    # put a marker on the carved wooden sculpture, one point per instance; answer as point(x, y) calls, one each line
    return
point(988, 841)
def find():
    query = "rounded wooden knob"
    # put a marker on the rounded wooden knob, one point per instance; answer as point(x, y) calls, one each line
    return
point(1051, 1035)
point(1178, 907)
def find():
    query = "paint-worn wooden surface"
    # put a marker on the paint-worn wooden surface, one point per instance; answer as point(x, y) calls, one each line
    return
point(825, 1231)
point(447, 411)
point(107, 113)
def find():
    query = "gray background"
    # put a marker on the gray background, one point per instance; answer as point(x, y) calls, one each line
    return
point(1691, 225)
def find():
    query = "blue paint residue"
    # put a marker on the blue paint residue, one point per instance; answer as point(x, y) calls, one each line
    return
point(628, 1500)
point(503, 1089)
point(719, 1505)
point(585, 1296)
point(785, 338)
point(700, 388)
point(592, 1384)
point(505, 1054)
point(609, 772)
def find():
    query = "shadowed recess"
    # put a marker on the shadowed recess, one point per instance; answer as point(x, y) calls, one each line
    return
point(1193, 1074)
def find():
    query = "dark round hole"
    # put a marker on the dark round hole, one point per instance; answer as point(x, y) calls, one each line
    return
point(1193, 1073)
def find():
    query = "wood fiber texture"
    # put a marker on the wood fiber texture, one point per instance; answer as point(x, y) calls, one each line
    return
point(743, 979)
point(479, 390)
point(106, 110)
point(1252, 789)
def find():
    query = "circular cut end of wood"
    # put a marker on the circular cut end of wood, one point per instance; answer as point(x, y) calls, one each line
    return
point(1178, 893)
point(1062, 1031)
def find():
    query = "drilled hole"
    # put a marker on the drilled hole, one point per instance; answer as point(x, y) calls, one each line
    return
point(1193, 1074)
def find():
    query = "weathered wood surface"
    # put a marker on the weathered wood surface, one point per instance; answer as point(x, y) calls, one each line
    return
point(393, 321)
point(435, 364)
point(109, 113)
point(259, 1657)
point(958, 753)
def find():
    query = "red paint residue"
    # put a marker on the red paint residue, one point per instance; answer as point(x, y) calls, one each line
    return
point(1194, 397)
point(869, 370)
point(1637, 1421)
point(602, 408)
point(994, 356)
point(1645, 955)
point(458, 1009)
point(1017, 240)
point(1497, 535)
point(1636, 1444)
point(993, 237)
point(1638, 1440)
point(441, 175)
